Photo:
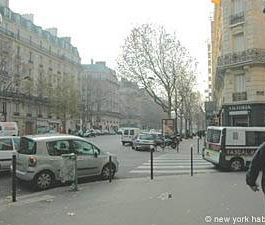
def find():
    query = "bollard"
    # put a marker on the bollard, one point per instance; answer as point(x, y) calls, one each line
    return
point(110, 169)
point(14, 180)
point(75, 181)
point(151, 158)
point(198, 146)
point(191, 163)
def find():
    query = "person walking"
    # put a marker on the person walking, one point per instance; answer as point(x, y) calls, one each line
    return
point(257, 164)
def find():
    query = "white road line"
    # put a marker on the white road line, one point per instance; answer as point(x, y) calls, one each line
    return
point(179, 163)
point(172, 171)
point(171, 164)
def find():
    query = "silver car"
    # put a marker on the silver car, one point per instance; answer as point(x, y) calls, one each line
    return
point(40, 159)
point(143, 141)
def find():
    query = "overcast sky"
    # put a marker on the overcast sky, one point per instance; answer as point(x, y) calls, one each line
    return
point(98, 28)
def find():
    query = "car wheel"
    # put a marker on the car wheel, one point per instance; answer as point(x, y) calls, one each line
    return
point(123, 143)
point(173, 145)
point(236, 164)
point(105, 173)
point(44, 180)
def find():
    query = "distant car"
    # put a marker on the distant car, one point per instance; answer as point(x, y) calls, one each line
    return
point(143, 141)
point(128, 135)
point(8, 146)
point(159, 139)
point(40, 159)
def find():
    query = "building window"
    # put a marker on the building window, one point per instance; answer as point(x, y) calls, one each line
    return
point(18, 51)
point(17, 107)
point(239, 42)
point(240, 83)
point(30, 57)
point(237, 6)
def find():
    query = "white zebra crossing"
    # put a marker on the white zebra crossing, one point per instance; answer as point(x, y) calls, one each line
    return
point(175, 164)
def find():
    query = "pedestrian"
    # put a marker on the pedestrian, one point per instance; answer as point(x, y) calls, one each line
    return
point(257, 164)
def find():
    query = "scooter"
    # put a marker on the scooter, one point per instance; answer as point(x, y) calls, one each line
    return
point(172, 141)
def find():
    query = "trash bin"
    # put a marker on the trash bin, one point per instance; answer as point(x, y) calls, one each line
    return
point(68, 168)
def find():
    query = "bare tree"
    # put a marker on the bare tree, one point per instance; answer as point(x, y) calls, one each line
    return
point(154, 59)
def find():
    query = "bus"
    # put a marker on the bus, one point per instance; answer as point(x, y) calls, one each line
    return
point(232, 147)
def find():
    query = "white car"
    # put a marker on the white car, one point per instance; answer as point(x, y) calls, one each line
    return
point(8, 146)
point(40, 159)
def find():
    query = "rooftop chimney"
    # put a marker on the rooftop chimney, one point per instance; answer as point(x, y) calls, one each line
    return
point(101, 63)
point(53, 31)
point(29, 17)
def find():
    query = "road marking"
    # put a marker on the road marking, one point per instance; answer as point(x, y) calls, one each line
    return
point(170, 164)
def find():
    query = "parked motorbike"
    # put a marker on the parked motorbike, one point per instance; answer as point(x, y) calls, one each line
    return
point(172, 141)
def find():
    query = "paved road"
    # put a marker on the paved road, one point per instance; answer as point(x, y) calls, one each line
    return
point(135, 163)
point(167, 200)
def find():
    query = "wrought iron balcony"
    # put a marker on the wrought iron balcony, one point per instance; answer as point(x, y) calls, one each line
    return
point(237, 18)
point(239, 96)
point(248, 57)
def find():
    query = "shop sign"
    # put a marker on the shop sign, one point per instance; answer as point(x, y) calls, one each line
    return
point(239, 107)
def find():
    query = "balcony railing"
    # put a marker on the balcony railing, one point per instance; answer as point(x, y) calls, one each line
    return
point(239, 96)
point(35, 45)
point(250, 56)
point(237, 18)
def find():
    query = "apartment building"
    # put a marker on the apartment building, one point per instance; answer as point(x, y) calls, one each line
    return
point(35, 62)
point(238, 62)
point(100, 100)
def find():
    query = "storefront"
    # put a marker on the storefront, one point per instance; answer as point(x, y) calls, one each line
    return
point(244, 115)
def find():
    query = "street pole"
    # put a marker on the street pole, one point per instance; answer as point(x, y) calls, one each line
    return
point(151, 159)
point(198, 145)
point(4, 111)
point(110, 169)
point(14, 180)
point(191, 161)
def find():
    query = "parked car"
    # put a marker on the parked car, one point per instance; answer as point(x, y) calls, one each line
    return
point(143, 141)
point(8, 146)
point(40, 159)
point(159, 139)
point(128, 134)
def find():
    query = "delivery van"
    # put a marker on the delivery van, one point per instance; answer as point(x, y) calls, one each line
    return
point(128, 134)
point(8, 129)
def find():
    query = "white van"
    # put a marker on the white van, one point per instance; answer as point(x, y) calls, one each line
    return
point(232, 147)
point(8, 129)
point(128, 134)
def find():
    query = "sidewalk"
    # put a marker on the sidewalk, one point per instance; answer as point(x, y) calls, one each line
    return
point(162, 201)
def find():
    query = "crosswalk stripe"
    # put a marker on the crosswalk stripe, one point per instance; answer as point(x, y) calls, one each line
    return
point(172, 164)
point(172, 171)
point(174, 167)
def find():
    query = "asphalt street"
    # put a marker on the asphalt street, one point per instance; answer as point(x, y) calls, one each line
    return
point(133, 163)
point(209, 198)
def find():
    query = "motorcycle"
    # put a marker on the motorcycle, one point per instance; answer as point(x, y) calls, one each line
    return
point(172, 141)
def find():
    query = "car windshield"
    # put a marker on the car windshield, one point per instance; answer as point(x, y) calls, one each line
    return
point(146, 137)
point(27, 146)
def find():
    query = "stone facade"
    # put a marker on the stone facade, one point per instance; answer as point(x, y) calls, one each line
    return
point(34, 62)
point(101, 100)
point(239, 80)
